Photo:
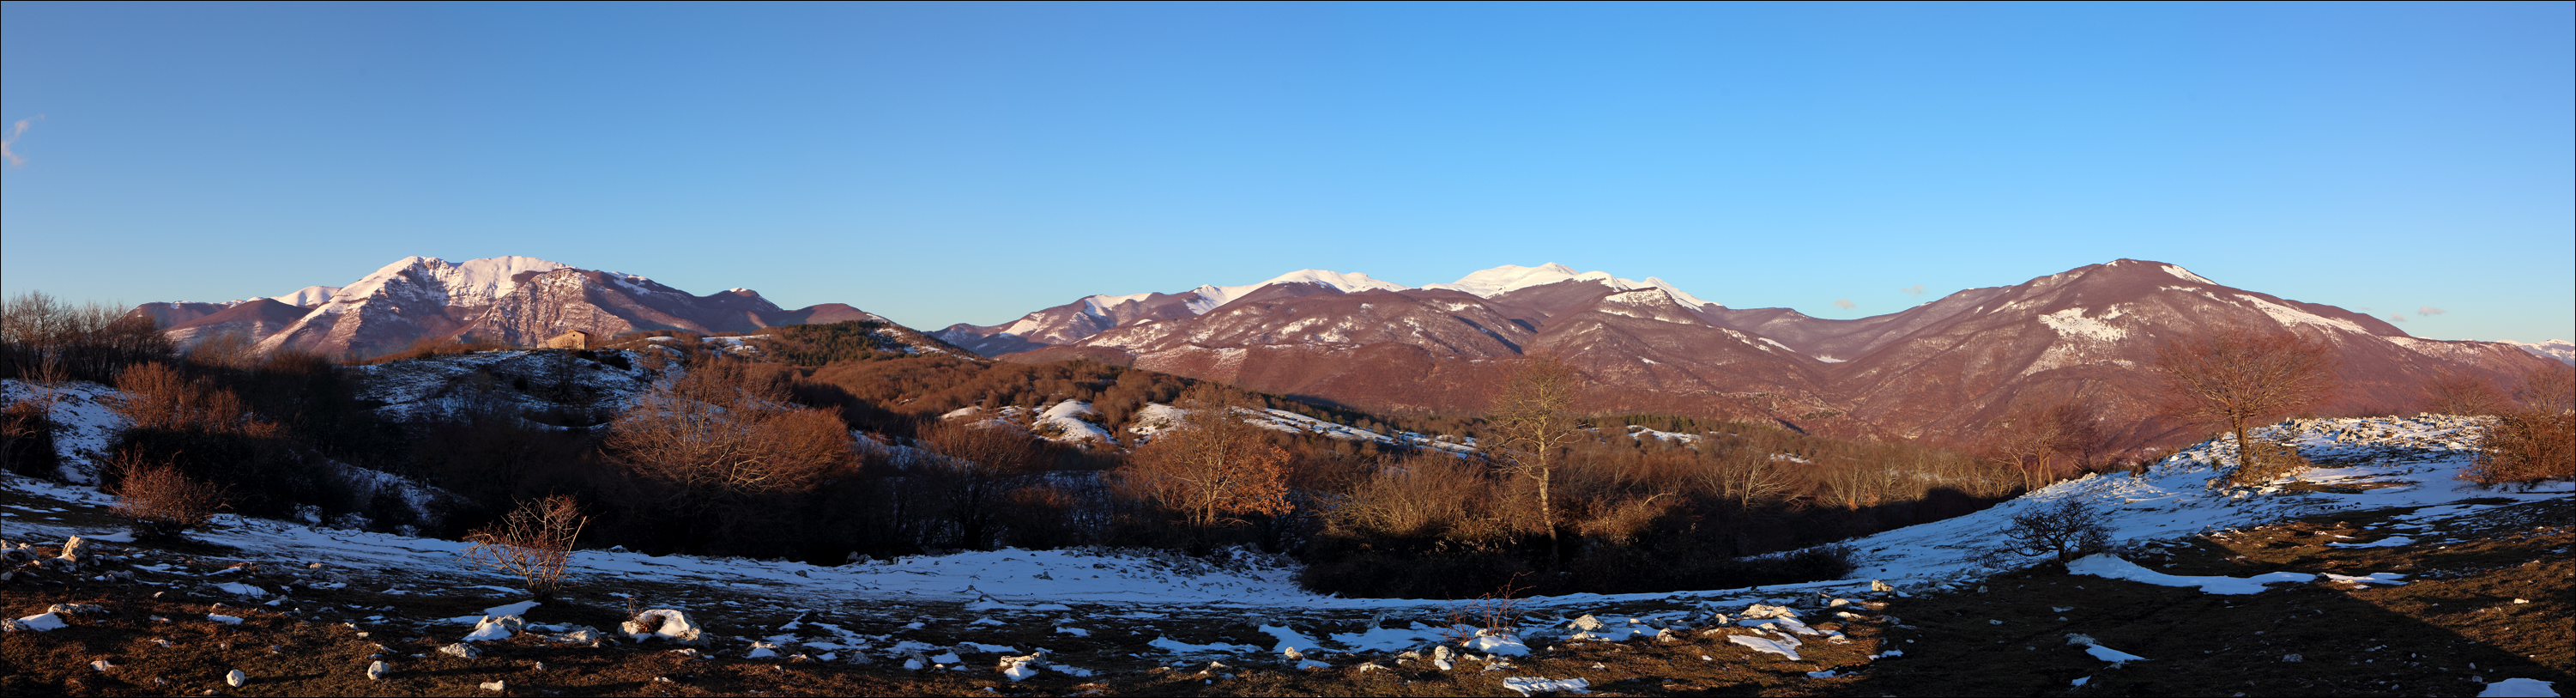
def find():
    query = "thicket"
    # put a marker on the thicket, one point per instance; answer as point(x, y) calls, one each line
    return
point(731, 456)
point(2534, 439)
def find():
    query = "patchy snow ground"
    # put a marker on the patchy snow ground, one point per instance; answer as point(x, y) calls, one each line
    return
point(2371, 463)
point(2365, 463)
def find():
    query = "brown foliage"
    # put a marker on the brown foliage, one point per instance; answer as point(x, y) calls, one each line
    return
point(2463, 393)
point(2237, 379)
point(722, 439)
point(532, 542)
point(2536, 441)
point(27, 438)
point(160, 501)
point(1212, 467)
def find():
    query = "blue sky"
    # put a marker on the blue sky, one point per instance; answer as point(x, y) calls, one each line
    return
point(966, 163)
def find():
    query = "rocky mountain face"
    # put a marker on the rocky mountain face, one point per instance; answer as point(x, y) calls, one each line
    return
point(1946, 369)
point(513, 300)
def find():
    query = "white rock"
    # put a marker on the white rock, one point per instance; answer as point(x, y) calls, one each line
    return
point(461, 650)
point(237, 678)
point(667, 624)
point(378, 671)
point(496, 686)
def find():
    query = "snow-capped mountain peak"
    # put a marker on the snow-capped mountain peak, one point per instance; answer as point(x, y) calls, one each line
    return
point(460, 282)
point(1211, 296)
point(1513, 277)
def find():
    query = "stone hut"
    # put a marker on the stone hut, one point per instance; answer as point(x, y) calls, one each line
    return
point(575, 339)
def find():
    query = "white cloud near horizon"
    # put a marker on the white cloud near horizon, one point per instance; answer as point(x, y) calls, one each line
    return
point(1846, 304)
point(9, 144)
point(2430, 310)
point(2396, 317)
point(1915, 290)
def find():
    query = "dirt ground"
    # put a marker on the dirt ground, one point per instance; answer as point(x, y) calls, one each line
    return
point(2488, 598)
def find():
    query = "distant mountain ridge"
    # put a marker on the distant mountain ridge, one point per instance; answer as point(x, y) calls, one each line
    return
point(514, 300)
point(1948, 368)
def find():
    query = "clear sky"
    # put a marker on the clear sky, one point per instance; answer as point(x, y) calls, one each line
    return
point(949, 163)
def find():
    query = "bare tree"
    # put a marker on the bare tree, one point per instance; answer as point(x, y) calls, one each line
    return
point(983, 465)
point(2046, 442)
point(534, 542)
point(1212, 467)
point(2070, 529)
point(2239, 379)
point(2464, 393)
point(1531, 422)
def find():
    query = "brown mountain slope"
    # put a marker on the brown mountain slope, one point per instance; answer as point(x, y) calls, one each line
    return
point(2092, 333)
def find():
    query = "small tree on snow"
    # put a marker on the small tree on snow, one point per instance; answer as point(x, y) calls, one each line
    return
point(533, 542)
point(2069, 529)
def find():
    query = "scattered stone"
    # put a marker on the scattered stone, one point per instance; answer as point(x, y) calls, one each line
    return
point(101, 665)
point(667, 624)
point(1879, 586)
point(496, 686)
point(496, 628)
point(1761, 611)
point(1587, 623)
point(461, 650)
point(379, 670)
point(1021, 667)
point(235, 679)
point(2292, 658)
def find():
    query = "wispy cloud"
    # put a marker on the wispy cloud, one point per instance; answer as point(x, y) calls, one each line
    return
point(2430, 310)
point(1915, 290)
point(9, 144)
point(2396, 317)
point(1846, 304)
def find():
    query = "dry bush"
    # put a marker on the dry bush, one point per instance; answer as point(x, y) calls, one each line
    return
point(533, 542)
point(2070, 529)
point(160, 501)
point(27, 438)
point(1212, 468)
point(2463, 393)
point(2046, 442)
point(2535, 441)
point(1432, 495)
point(721, 445)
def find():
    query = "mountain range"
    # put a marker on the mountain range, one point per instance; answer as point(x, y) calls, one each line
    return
point(512, 300)
point(1949, 368)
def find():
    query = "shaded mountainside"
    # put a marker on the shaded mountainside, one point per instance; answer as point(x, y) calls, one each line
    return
point(1941, 369)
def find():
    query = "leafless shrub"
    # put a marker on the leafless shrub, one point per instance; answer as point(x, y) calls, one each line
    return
point(160, 501)
point(2069, 529)
point(2533, 442)
point(2463, 393)
point(1497, 613)
point(534, 542)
